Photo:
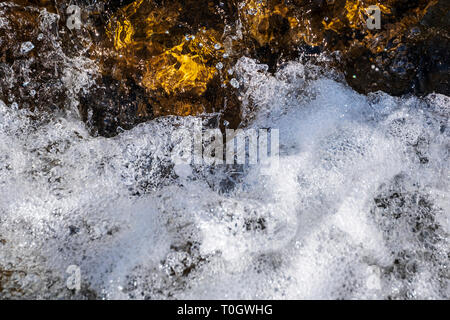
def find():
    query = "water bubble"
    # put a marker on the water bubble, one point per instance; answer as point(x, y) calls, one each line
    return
point(415, 31)
point(234, 83)
point(26, 47)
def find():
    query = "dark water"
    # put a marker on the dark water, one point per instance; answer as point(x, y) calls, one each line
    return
point(358, 208)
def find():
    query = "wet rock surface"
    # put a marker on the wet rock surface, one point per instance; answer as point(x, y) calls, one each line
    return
point(413, 58)
point(39, 59)
point(159, 58)
point(358, 210)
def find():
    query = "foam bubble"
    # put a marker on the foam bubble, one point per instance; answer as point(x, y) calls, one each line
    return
point(358, 207)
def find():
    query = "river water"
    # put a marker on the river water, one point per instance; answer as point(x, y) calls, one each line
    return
point(358, 207)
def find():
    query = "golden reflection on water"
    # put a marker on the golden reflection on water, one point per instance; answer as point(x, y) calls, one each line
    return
point(175, 64)
point(150, 39)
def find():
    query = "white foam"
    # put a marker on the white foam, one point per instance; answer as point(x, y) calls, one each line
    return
point(310, 229)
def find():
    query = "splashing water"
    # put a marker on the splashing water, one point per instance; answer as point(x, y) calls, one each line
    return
point(358, 208)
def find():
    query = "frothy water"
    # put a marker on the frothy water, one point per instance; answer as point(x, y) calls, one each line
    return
point(358, 208)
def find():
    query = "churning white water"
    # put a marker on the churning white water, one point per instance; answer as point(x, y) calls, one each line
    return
point(358, 208)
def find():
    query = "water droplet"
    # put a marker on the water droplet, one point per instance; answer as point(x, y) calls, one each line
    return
point(219, 66)
point(26, 47)
point(234, 83)
point(217, 46)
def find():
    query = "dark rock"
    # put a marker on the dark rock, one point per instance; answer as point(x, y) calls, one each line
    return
point(413, 61)
point(107, 108)
point(157, 72)
point(438, 16)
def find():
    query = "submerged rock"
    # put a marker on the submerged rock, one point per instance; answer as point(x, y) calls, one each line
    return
point(173, 51)
point(41, 62)
point(406, 55)
point(159, 58)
